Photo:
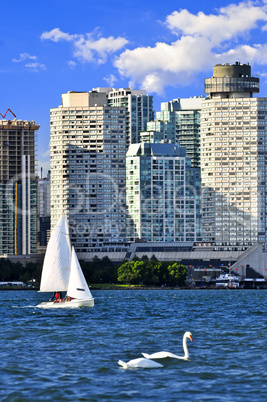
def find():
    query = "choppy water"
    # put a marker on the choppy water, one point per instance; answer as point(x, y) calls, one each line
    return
point(72, 355)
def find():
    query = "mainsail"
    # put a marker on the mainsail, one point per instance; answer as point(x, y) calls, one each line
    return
point(78, 287)
point(56, 267)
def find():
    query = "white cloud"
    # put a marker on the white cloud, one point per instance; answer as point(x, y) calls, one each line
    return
point(204, 40)
point(165, 64)
point(254, 54)
point(86, 48)
point(72, 63)
point(35, 67)
point(24, 56)
point(232, 21)
point(56, 35)
point(110, 80)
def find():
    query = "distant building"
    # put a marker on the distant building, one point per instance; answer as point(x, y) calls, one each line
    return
point(18, 187)
point(160, 194)
point(88, 148)
point(139, 109)
point(44, 212)
point(233, 159)
point(178, 121)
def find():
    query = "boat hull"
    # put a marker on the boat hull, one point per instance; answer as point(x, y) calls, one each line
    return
point(68, 304)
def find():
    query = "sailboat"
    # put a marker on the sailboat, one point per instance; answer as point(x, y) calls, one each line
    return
point(62, 271)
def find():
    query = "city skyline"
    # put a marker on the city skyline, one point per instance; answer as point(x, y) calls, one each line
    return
point(52, 48)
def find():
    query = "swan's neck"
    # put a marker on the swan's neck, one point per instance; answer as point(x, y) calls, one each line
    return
point(186, 353)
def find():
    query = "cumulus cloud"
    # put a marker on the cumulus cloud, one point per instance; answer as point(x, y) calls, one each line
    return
point(56, 35)
point(72, 63)
point(24, 56)
point(110, 80)
point(32, 66)
point(256, 53)
point(35, 67)
point(202, 40)
point(232, 21)
point(156, 67)
point(85, 47)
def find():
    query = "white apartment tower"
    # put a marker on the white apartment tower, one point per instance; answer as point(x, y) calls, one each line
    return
point(88, 169)
point(139, 109)
point(160, 195)
point(233, 159)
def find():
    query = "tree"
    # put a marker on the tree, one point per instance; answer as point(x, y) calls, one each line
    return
point(177, 274)
point(99, 270)
point(131, 272)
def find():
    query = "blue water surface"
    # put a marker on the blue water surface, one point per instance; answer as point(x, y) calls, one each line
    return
point(72, 354)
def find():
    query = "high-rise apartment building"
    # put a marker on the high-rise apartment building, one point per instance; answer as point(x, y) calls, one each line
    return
point(178, 122)
point(88, 148)
point(139, 109)
point(18, 187)
point(186, 112)
point(160, 194)
point(44, 196)
point(233, 159)
point(44, 209)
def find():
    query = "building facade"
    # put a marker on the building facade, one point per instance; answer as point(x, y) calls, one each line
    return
point(139, 109)
point(88, 149)
point(18, 187)
point(44, 210)
point(178, 122)
point(160, 194)
point(233, 159)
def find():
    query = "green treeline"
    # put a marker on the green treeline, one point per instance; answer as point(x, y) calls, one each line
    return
point(152, 272)
point(137, 272)
point(10, 271)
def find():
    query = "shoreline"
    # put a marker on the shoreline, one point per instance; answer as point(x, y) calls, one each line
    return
point(143, 288)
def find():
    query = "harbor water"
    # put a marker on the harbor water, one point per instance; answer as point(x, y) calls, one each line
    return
point(72, 354)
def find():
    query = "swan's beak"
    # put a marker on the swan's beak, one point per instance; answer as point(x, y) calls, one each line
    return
point(191, 338)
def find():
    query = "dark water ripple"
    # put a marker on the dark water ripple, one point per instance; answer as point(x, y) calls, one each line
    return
point(72, 355)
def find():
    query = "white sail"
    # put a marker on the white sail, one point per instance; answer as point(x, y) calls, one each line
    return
point(56, 267)
point(78, 287)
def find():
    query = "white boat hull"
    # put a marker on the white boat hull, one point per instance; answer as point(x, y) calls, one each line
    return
point(68, 304)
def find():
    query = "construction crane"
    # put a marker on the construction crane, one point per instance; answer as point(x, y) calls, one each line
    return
point(8, 110)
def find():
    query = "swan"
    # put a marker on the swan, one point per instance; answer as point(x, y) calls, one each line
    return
point(162, 355)
point(139, 363)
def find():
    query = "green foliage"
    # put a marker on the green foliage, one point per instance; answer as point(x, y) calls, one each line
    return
point(99, 270)
point(177, 274)
point(131, 272)
point(152, 272)
point(137, 272)
point(10, 271)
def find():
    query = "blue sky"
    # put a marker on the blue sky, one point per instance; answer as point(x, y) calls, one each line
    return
point(49, 47)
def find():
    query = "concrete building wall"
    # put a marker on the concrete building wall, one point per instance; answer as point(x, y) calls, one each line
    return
point(88, 172)
point(233, 166)
point(18, 195)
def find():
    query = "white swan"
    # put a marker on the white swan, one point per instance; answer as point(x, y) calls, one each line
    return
point(162, 355)
point(139, 363)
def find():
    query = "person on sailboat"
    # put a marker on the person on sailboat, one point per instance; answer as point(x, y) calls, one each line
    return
point(57, 297)
point(68, 298)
